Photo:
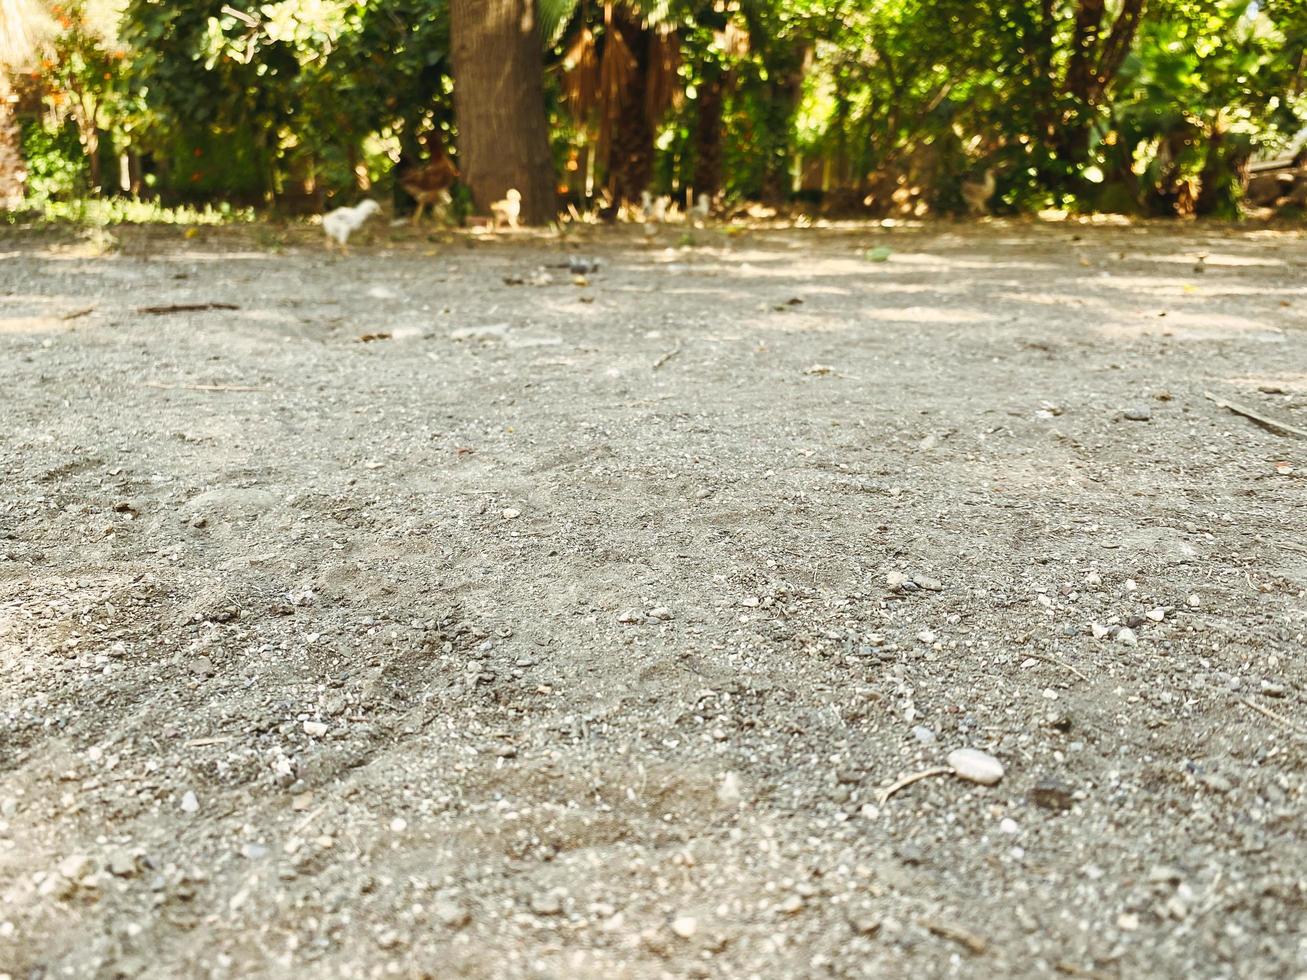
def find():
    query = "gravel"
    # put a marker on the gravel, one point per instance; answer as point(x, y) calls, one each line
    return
point(505, 778)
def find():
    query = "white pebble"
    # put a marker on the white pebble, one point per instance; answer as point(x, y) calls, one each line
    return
point(1127, 636)
point(510, 513)
point(1156, 615)
point(685, 926)
point(190, 803)
point(1008, 825)
point(1193, 601)
point(1099, 630)
point(315, 728)
point(976, 766)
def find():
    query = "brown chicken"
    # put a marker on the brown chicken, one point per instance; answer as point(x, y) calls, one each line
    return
point(429, 184)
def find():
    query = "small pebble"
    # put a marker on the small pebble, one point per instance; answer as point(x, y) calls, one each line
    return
point(511, 513)
point(1193, 602)
point(1127, 636)
point(1008, 826)
point(923, 735)
point(1099, 630)
point(190, 803)
point(929, 584)
point(546, 903)
point(976, 766)
point(660, 613)
point(451, 914)
point(1139, 413)
point(685, 926)
point(315, 728)
point(1156, 615)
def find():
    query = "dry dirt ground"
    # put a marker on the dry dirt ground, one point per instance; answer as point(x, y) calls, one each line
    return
point(574, 630)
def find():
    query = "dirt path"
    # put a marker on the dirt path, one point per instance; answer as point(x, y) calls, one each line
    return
point(572, 631)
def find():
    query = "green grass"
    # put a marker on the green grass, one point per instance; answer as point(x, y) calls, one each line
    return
point(106, 212)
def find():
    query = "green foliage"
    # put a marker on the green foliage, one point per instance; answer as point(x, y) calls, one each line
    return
point(1152, 107)
point(55, 162)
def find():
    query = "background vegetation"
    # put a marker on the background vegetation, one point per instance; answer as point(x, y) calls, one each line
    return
point(855, 105)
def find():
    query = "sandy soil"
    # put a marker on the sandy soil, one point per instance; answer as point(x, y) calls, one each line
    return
point(574, 630)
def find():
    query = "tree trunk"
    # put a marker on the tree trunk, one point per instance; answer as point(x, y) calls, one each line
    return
point(499, 102)
point(708, 136)
point(11, 154)
point(631, 156)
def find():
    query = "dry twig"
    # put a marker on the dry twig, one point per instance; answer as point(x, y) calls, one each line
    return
point(666, 357)
point(1255, 416)
point(169, 387)
point(911, 778)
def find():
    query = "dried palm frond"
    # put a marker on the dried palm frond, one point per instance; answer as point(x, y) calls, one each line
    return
point(663, 87)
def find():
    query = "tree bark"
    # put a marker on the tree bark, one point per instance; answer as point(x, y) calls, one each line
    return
point(631, 157)
point(499, 102)
point(708, 136)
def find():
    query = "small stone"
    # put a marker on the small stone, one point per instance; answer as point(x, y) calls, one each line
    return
point(1008, 826)
point(1193, 602)
point(1272, 690)
point(685, 926)
point(1139, 413)
point(1216, 782)
point(202, 666)
point(864, 924)
point(120, 863)
point(398, 825)
point(927, 583)
point(1099, 630)
point(190, 803)
point(451, 914)
point(511, 513)
point(923, 735)
point(546, 903)
point(75, 867)
point(661, 613)
point(896, 580)
point(1127, 922)
point(1093, 578)
point(631, 617)
point(976, 766)
point(729, 791)
point(316, 729)
point(1156, 615)
point(927, 637)
point(790, 905)
point(1049, 794)
point(1127, 636)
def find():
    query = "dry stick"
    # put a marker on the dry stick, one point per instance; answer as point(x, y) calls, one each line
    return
point(1255, 416)
point(974, 943)
point(1274, 716)
point(908, 780)
point(168, 387)
point(666, 357)
point(78, 314)
point(1060, 663)
point(186, 308)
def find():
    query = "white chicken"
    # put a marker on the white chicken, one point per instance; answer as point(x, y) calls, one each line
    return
point(343, 222)
point(509, 209)
point(702, 208)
